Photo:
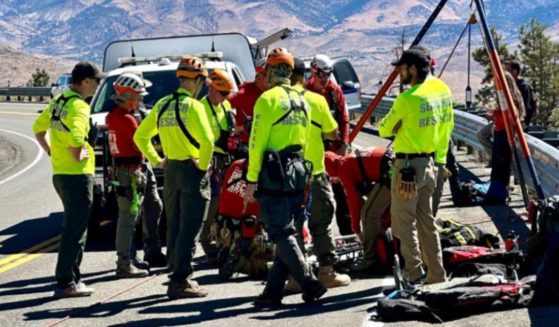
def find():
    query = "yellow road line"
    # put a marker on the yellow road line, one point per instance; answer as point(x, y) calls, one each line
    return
point(18, 113)
point(32, 253)
point(28, 257)
point(28, 251)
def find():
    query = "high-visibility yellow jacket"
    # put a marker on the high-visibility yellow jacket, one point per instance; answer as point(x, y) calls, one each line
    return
point(270, 131)
point(177, 146)
point(427, 117)
point(322, 122)
point(217, 117)
point(68, 125)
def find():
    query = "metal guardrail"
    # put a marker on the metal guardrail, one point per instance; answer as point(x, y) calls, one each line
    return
point(19, 92)
point(466, 125)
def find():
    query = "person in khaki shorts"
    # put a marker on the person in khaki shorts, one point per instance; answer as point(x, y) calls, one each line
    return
point(421, 120)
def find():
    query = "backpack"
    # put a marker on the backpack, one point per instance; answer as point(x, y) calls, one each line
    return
point(455, 255)
point(390, 310)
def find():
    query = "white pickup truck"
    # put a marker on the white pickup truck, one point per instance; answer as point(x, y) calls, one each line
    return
point(157, 59)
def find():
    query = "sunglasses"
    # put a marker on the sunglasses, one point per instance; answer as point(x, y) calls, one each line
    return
point(224, 93)
point(322, 74)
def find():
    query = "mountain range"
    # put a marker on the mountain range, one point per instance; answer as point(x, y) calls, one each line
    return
point(367, 32)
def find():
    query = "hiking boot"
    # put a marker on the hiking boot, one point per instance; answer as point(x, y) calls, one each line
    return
point(186, 289)
point(130, 271)
point(156, 260)
point(292, 286)
point(362, 266)
point(267, 299)
point(138, 263)
point(313, 291)
point(75, 290)
point(330, 279)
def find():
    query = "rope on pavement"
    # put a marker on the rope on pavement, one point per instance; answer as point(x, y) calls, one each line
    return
point(110, 297)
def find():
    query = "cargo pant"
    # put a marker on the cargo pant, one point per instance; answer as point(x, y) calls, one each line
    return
point(322, 211)
point(150, 206)
point(186, 197)
point(413, 223)
point(374, 208)
point(278, 214)
point(76, 193)
point(219, 166)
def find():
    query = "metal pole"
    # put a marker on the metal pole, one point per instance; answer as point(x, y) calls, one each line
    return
point(468, 87)
point(505, 99)
point(386, 86)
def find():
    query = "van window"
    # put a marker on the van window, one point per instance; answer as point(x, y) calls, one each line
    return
point(343, 71)
point(164, 83)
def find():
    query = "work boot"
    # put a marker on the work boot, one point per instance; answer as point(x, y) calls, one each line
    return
point(138, 263)
point(130, 271)
point(362, 266)
point(186, 289)
point(156, 260)
point(292, 286)
point(330, 279)
point(313, 291)
point(75, 290)
point(267, 299)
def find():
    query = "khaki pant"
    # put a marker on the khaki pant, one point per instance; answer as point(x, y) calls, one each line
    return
point(150, 205)
point(322, 211)
point(413, 223)
point(372, 211)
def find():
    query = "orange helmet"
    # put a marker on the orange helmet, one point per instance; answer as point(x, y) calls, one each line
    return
point(191, 67)
point(220, 81)
point(280, 56)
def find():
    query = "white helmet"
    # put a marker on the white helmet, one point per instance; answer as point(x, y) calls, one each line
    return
point(130, 82)
point(322, 63)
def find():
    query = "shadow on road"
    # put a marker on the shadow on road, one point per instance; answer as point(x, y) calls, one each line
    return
point(30, 232)
point(98, 310)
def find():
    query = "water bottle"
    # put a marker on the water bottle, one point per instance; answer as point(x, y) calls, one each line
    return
point(511, 241)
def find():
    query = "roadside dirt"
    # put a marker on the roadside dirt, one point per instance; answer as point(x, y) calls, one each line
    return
point(8, 156)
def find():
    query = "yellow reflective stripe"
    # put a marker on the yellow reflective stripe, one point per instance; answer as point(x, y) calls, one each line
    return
point(460, 238)
point(470, 231)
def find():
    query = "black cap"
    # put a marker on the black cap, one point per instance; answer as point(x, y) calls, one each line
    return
point(86, 69)
point(413, 56)
point(299, 67)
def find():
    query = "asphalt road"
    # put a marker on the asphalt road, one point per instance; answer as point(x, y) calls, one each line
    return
point(30, 214)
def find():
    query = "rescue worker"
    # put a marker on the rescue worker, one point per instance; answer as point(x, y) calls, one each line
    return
point(320, 82)
point(188, 143)
point(356, 172)
point(279, 133)
point(323, 206)
point(421, 120)
point(218, 111)
point(529, 103)
point(129, 176)
point(73, 164)
point(243, 101)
